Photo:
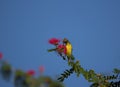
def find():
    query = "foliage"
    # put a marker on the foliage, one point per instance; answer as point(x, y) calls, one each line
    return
point(64, 49)
point(98, 80)
point(26, 79)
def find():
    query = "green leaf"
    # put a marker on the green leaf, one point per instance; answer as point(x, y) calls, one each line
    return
point(19, 73)
point(6, 67)
point(51, 50)
point(116, 71)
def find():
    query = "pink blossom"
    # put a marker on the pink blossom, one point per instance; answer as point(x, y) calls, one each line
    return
point(31, 72)
point(61, 48)
point(1, 55)
point(41, 68)
point(54, 41)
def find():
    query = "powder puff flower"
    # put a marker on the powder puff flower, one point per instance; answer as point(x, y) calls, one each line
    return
point(61, 49)
point(31, 72)
point(1, 55)
point(54, 41)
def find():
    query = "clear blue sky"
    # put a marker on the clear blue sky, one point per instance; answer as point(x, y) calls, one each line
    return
point(92, 26)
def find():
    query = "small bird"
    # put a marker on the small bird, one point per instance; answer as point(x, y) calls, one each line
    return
point(68, 49)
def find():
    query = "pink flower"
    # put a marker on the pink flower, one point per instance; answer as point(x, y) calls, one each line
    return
point(54, 41)
point(41, 68)
point(61, 48)
point(31, 72)
point(1, 55)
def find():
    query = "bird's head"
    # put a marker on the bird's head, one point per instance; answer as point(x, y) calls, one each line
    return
point(65, 41)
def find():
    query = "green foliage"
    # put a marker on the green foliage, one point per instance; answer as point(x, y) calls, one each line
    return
point(23, 79)
point(51, 50)
point(98, 80)
point(117, 71)
point(6, 70)
point(65, 74)
point(56, 84)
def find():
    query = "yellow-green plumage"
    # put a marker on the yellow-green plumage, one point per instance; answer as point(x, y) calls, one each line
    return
point(68, 49)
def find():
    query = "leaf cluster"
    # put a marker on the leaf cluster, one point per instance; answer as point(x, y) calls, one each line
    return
point(22, 79)
point(90, 75)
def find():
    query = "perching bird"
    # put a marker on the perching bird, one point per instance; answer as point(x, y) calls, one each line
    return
point(68, 49)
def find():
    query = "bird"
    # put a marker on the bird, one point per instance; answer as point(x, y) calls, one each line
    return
point(69, 49)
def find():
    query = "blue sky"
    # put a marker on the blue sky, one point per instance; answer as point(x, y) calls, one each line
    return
point(92, 26)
